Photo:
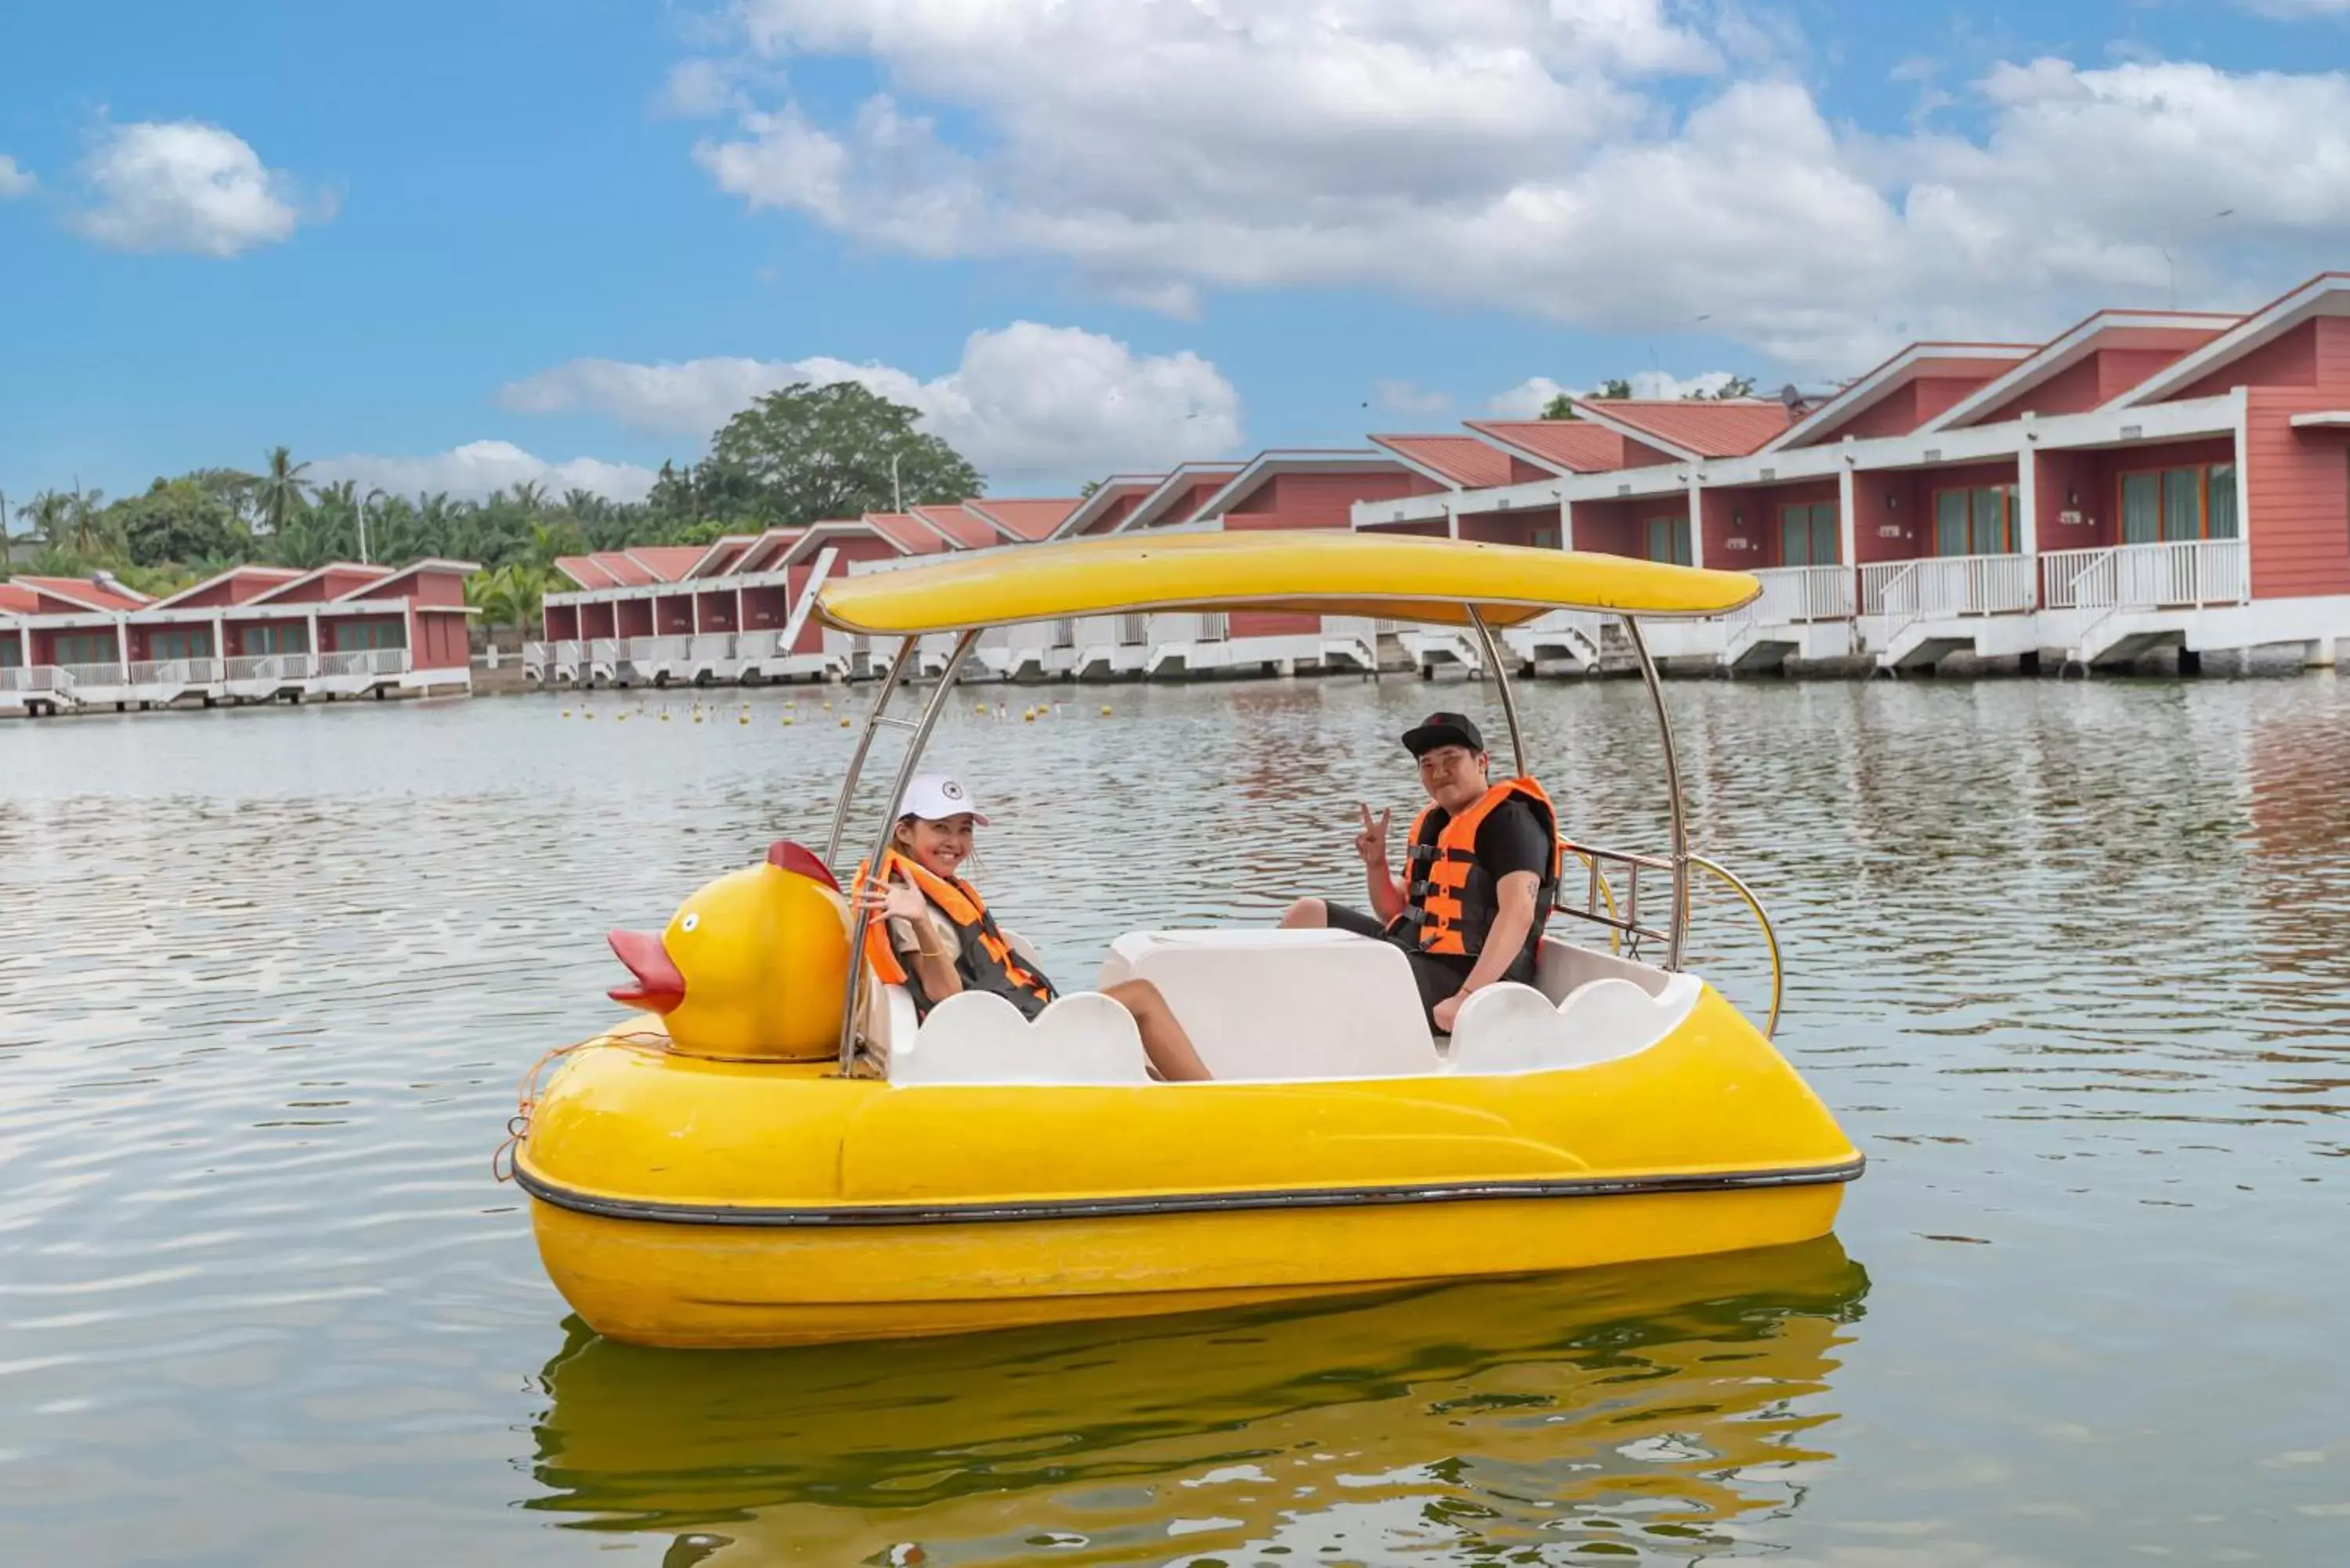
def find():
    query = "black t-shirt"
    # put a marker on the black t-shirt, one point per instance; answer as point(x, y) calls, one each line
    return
point(1510, 839)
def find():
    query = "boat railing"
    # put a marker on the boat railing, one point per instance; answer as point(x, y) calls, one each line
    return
point(1600, 905)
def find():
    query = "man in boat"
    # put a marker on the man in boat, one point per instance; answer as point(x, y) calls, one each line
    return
point(1481, 876)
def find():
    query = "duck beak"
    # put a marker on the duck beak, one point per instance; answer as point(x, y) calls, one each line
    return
point(659, 986)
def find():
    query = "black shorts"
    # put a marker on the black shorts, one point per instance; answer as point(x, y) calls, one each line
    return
point(1438, 976)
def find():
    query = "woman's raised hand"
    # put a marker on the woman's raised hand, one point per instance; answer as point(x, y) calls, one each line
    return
point(1371, 842)
point(899, 900)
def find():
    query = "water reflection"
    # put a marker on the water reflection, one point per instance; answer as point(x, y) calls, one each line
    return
point(1665, 1405)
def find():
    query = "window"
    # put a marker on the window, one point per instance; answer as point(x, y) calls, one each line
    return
point(1668, 540)
point(193, 643)
point(1545, 539)
point(354, 636)
point(1808, 535)
point(276, 637)
point(84, 647)
point(11, 652)
point(2169, 505)
point(1975, 522)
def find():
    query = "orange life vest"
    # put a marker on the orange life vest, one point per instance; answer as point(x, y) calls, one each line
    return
point(983, 957)
point(1450, 901)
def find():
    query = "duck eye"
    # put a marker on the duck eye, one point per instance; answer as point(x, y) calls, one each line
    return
point(688, 923)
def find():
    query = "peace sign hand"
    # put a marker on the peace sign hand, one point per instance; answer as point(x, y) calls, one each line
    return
point(1371, 842)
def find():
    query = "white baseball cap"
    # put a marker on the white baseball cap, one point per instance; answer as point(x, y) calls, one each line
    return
point(934, 797)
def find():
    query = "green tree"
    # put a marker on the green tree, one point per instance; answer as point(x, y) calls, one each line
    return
point(176, 520)
point(510, 595)
point(281, 491)
point(1562, 406)
point(808, 453)
point(1736, 386)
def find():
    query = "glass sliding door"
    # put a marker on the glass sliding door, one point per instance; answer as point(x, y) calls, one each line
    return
point(1950, 517)
point(2141, 508)
point(2178, 506)
point(2182, 505)
point(1808, 535)
point(1668, 540)
point(2220, 501)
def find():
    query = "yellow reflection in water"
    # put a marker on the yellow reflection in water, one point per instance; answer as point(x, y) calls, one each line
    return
point(1644, 1409)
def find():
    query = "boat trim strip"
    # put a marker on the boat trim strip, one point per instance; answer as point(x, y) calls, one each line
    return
point(863, 1214)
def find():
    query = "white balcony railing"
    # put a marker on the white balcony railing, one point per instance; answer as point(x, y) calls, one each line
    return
point(1794, 593)
point(1947, 585)
point(175, 672)
point(270, 667)
point(711, 647)
point(2182, 574)
point(364, 661)
point(105, 674)
point(758, 644)
point(535, 655)
point(32, 678)
point(1133, 630)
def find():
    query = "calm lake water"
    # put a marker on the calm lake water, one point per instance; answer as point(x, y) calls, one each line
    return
point(2073, 963)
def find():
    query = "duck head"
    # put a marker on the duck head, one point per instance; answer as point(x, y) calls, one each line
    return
point(754, 965)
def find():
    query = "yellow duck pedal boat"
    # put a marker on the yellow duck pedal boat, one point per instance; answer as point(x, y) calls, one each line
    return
point(770, 1167)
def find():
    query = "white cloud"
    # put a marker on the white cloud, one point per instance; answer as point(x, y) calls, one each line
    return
point(1518, 153)
point(698, 88)
point(183, 186)
point(1408, 397)
point(1027, 404)
point(1527, 400)
point(474, 470)
point(15, 181)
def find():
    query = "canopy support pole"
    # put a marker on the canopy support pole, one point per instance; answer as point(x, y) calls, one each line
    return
point(898, 668)
point(1677, 928)
point(1502, 687)
point(859, 919)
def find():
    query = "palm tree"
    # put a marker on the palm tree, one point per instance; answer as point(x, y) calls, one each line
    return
point(530, 495)
point(281, 488)
point(510, 595)
point(86, 524)
point(48, 511)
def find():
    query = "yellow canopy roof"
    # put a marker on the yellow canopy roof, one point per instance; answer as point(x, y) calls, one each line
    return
point(1396, 577)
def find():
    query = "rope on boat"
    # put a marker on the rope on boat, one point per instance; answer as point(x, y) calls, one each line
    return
point(501, 1159)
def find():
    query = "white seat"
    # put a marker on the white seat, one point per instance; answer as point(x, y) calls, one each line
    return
point(1285, 1004)
point(1514, 1028)
point(977, 1037)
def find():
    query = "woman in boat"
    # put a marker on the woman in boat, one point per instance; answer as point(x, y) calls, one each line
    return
point(929, 932)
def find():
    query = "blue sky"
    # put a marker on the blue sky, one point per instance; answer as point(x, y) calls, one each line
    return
point(579, 231)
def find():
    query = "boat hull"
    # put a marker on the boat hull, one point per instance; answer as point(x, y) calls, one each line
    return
point(689, 1202)
point(658, 1282)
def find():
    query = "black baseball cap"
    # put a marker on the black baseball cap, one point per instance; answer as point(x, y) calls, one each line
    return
point(1442, 730)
